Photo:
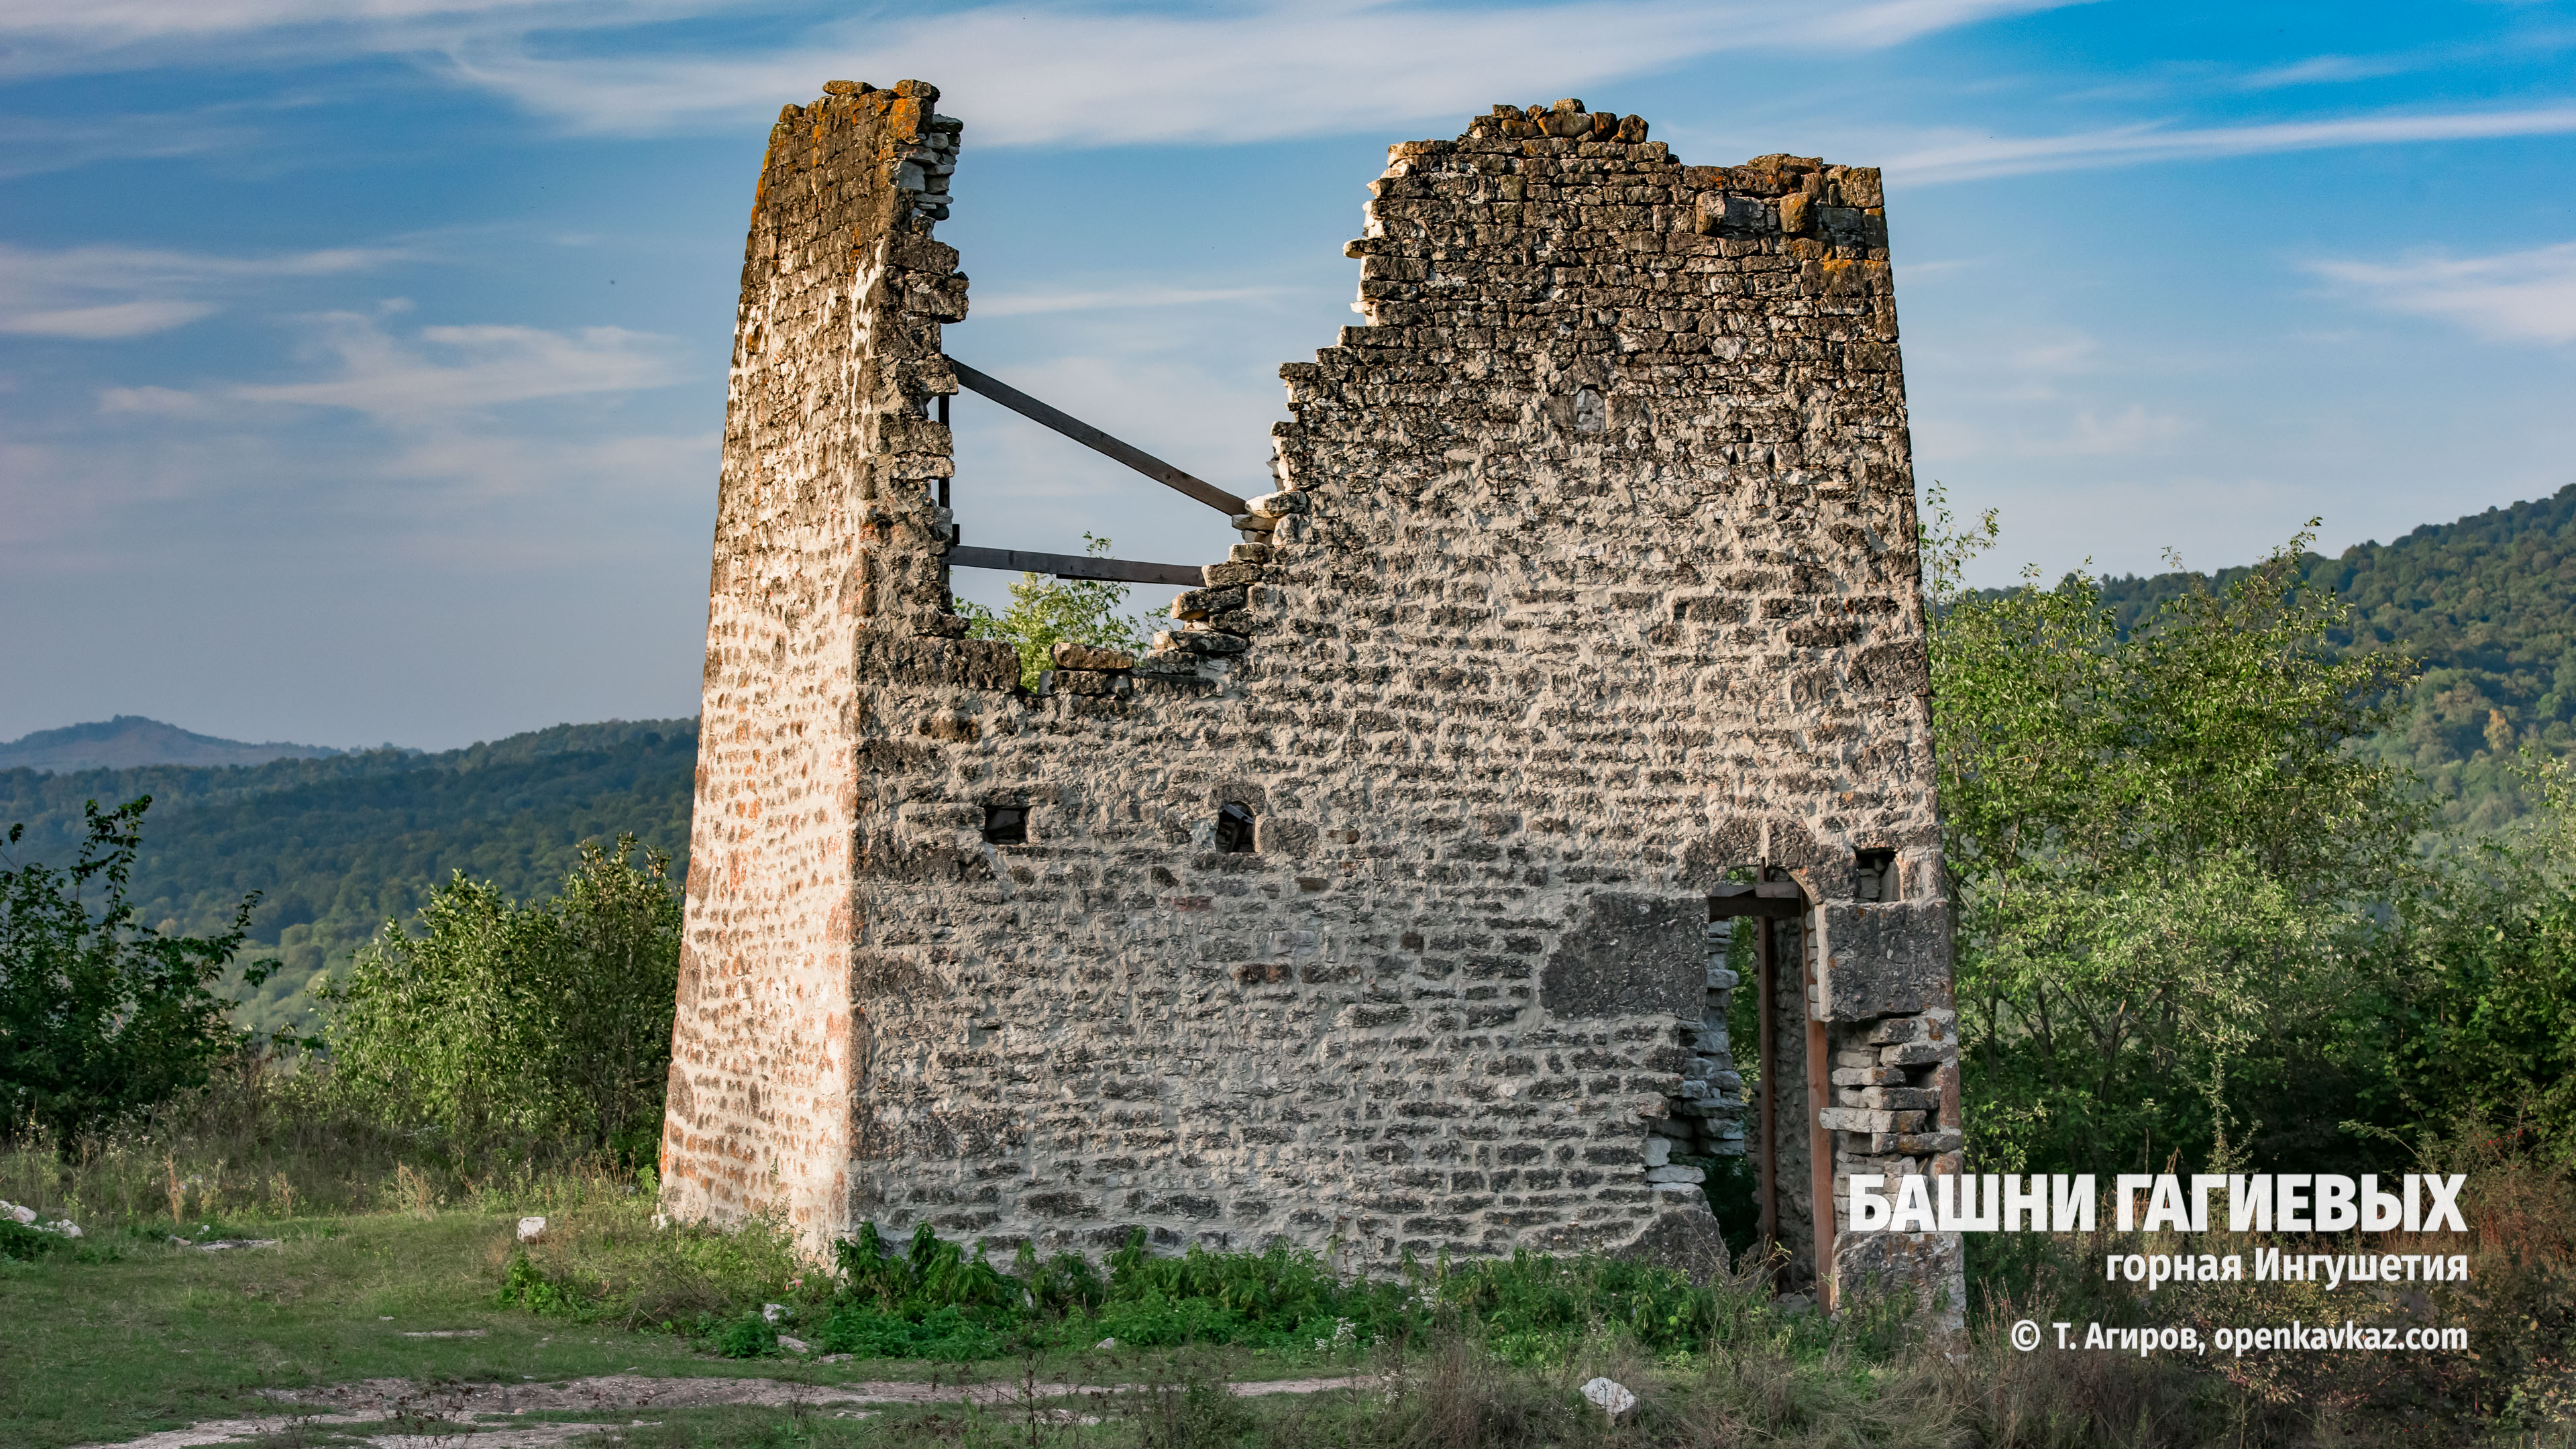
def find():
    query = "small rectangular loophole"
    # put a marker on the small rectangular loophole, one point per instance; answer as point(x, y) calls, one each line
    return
point(1874, 875)
point(1006, 825)
point(1234, 830)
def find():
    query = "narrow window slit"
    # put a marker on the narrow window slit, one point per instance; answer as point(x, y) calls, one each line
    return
point(1874, 875)
point(1234, 829)
point(1006, 824)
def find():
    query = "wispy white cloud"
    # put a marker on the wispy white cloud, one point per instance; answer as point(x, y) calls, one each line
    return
point(1072, 75)
point(1067, 73)
point(102, 293)
point(98, 324)
point(108, 22)
point(2326, 70)
point(163, 402)
point(2041, 425)
point(42, 37)
point(432, 377)
point(35, 145)
point(2525, 296)
point(1976, 158)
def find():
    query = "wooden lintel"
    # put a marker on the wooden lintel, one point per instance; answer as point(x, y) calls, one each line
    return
point(1076, 566)
point(1776, 908)
point(1769, 1204)
point(1100, 442)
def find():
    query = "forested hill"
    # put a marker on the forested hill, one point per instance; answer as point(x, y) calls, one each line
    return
point(339, 844)
point(130, 740)
point(2488, 603)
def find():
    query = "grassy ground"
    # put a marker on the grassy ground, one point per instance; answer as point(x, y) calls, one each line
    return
point(127, 1333)
point(123, 1333)
point(158, 1336)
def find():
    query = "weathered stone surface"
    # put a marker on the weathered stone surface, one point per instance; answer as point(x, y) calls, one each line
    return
point(1591, 584)
point(1683, 1236)
point(1202, 641)
point(1628, 956)
point(1928, 1268)
point(824, 576)
point(1885, 960)
point(1201, 603)
point(1083, 656)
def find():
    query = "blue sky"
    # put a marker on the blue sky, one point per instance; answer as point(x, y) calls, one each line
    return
point(362, 362)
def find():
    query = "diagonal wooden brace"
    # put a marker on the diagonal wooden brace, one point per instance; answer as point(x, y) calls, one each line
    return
point(1098, 441)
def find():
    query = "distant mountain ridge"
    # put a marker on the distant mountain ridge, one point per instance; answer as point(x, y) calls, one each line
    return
point(338, 844)
point(130, 740)
point(2487, 603)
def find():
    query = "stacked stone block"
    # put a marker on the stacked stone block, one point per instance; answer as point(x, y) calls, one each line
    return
point(1369, 910)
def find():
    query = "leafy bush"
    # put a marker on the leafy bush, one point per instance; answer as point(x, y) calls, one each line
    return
point(102, 1018)
point(2168, 863)
point(606, 1262)
point(939, 1300)
point(1046, 612)
point(745, 1335)
point(22, 1244)
point(518, 1022)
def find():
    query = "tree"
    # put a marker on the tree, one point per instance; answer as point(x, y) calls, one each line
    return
point(2482, 1026)
point(507, 1022)
point(102, 1018)
point(2167, 863)
point(1046, 612)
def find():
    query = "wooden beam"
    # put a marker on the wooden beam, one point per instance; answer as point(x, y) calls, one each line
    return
point(1076, 566)
point(1769, 1206)
point(1820, 1150)
point(1098, 441)
point(1772, 900)
point(1772, 908)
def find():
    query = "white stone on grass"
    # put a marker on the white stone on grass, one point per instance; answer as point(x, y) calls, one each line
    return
point(1613, 1398)
point(531, 1229)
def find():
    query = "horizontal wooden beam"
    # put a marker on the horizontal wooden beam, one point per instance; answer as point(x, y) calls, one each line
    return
point(1721, 908)
point(1098, 441)
point(1075, 566)
point(1776, 900)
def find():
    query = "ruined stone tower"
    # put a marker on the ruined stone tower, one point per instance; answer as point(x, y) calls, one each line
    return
point(1385, 905)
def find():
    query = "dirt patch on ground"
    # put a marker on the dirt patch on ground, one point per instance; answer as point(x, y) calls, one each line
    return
point(477, 1415)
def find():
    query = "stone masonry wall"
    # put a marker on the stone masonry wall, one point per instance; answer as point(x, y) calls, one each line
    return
point(1589, 582)
point(824, 539)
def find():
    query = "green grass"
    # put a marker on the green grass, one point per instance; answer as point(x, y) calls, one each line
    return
point(945, 1301)
point(149, 1336)
point(121, 1333)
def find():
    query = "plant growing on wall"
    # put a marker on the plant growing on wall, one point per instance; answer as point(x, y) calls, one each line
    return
point(1046, 612)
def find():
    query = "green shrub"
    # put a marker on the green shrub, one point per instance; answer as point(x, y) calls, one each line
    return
point(101, 1018)
point(937, 1300)
point(745, 1335)
point(22, 1244)
point(524, 1286)
point(526, 1023)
